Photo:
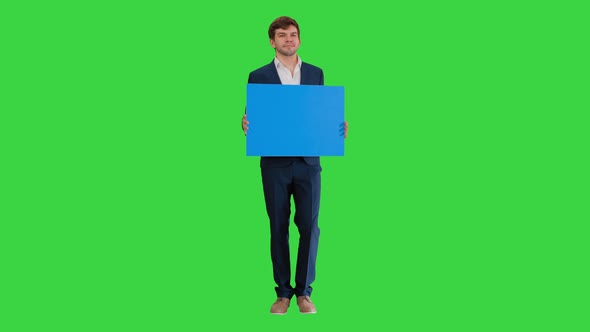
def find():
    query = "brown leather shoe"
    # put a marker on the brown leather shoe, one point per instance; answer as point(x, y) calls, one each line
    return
point(305, 305)
point(280, 306)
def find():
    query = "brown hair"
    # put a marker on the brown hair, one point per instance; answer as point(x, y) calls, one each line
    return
point(282, 22)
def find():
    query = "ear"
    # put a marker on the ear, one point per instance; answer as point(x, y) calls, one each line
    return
point(272, 43)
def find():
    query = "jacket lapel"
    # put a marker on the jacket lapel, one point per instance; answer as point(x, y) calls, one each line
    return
point(273, 73)
point(305, 78)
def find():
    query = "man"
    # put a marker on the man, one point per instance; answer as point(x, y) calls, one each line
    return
point(286, 176)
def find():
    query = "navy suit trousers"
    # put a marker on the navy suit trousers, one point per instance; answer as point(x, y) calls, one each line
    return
point(302, 182)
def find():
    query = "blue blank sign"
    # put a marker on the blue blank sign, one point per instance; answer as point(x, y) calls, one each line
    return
point(295, 120)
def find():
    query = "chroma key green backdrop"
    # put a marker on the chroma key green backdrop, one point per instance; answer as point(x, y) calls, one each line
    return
point(128, 204)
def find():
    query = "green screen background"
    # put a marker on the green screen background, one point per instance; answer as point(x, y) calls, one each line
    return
point(128, 203)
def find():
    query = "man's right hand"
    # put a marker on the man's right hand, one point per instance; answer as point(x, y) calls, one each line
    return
point(245, 124)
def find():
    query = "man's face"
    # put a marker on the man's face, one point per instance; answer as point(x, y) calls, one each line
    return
point(286, 41)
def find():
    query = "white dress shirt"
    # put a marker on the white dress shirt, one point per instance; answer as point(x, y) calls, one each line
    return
point(285, 73)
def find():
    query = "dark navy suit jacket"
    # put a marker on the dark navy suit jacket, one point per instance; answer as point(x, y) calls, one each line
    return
point(310, 75)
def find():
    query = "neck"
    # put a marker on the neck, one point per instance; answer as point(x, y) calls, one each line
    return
point(288, 61)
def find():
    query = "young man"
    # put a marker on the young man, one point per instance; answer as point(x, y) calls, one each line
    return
point(286, 176)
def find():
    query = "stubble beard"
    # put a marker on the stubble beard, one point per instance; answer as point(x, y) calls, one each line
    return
point(286, 52)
